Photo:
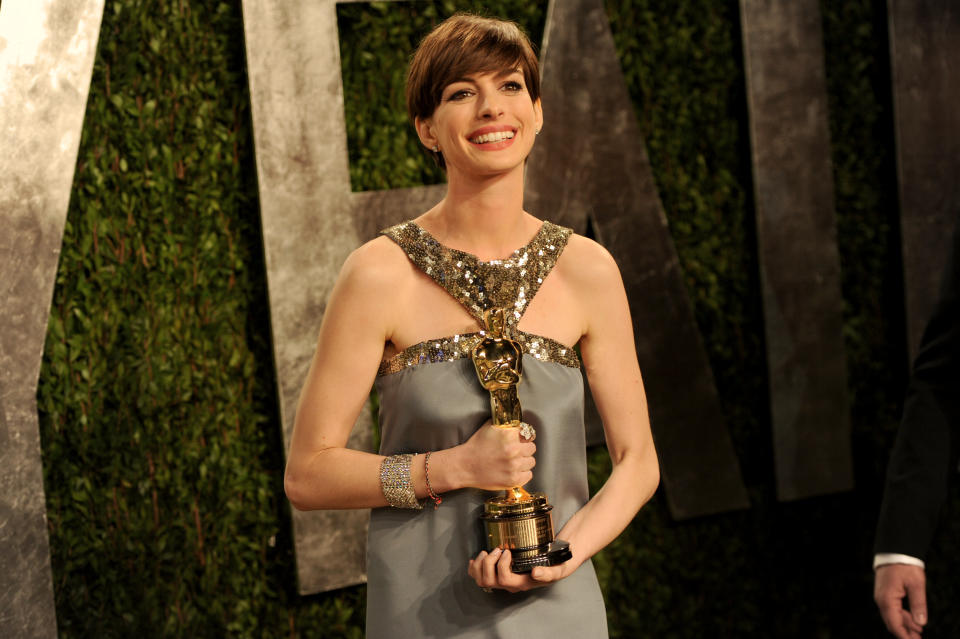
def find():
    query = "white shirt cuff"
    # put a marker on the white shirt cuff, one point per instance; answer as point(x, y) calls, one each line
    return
point(884, 558)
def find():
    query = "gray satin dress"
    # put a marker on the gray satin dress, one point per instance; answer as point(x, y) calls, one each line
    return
point(430, 399)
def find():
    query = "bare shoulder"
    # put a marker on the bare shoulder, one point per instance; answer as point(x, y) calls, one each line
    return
point(588, 266)
point(376, 266)
point(373, 279)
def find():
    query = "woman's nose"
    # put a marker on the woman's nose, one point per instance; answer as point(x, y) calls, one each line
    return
point(490, 106)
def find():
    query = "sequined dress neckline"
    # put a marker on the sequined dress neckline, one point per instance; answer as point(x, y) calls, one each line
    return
point(465, 255)
point(509, 283)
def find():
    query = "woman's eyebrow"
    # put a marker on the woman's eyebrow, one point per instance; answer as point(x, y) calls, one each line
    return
point(464, 79)
point(471, 79)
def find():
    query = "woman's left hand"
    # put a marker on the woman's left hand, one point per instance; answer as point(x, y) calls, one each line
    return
point(492, 570)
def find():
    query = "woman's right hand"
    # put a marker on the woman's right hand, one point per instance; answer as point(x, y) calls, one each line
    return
point(497, 458)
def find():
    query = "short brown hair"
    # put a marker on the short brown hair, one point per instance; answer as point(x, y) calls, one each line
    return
point(461, 45)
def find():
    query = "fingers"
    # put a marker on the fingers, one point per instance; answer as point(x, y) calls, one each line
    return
point(489, 569)
point(473, 567)
point(497, 458)
point(509, 580)
point(905, 627)
point(518, 470)
point(483, 569)
point(902, 626)
point(511, 438)
point(545, 575)
point(908, 626)
point(517, 448)
point(523, 470)
point(523, 459)
point(512, 582)
point(894, 618)
point(517, 434)
point(917, 596)
point(504, 573)
point(493, 570)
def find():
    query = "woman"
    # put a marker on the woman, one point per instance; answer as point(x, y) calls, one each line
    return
point(405, 313)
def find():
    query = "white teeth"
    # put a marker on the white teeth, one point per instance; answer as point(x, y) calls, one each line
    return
point(499, 136)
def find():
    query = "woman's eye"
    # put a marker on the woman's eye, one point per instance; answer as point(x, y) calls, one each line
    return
point(459, 95)
point(513, 86)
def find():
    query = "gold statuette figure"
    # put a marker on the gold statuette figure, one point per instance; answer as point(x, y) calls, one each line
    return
point(516, 520)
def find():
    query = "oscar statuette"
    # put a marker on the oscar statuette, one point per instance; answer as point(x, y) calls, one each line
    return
point(516, 520)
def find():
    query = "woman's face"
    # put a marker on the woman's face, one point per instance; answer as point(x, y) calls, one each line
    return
point(484, 125)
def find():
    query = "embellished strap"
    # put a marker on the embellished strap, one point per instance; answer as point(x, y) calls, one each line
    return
point(460, 346)
point(509, 283)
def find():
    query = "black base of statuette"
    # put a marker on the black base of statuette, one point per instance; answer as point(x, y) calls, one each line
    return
point(557, 552)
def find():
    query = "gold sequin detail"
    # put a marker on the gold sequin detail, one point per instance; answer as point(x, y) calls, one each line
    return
point(508, 283)
point(547, 350)
point(460, 346)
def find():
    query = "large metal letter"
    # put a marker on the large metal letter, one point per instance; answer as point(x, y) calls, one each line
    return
point(602, 172)
point(311, 222)
point(799, 260)
point(46, 60)
point(925, 62)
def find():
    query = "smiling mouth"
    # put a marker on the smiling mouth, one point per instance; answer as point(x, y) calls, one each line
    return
point(498, 136)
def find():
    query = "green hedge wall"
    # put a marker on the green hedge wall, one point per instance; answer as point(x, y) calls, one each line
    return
point(161, 442)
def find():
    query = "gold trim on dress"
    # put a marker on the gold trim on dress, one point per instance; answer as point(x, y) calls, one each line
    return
point(460, 346)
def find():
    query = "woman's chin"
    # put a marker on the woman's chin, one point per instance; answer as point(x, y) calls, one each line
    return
point(495, 167)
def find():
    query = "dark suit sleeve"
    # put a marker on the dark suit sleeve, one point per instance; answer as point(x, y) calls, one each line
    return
point(924, 456)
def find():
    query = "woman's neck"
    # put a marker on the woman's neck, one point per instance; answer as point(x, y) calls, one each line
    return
point(482, 216)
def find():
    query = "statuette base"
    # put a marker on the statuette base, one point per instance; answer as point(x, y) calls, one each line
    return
point(526, 529)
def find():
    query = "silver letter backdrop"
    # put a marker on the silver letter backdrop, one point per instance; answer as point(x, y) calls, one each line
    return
point(797, 238)
point(46, 60)
point(925, 64)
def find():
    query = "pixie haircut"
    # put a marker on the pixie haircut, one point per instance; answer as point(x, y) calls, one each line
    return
point(460, 46)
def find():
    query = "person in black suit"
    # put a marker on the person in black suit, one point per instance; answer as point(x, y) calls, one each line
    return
point(922, 460)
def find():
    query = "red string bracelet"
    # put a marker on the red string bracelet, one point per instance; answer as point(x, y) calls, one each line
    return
point(437, 499)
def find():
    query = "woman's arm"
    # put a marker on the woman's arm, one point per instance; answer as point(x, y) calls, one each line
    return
point(609, 358)
point(321, 472)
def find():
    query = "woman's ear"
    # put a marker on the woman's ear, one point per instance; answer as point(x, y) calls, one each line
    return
point(425, 132)
point(538, 114)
